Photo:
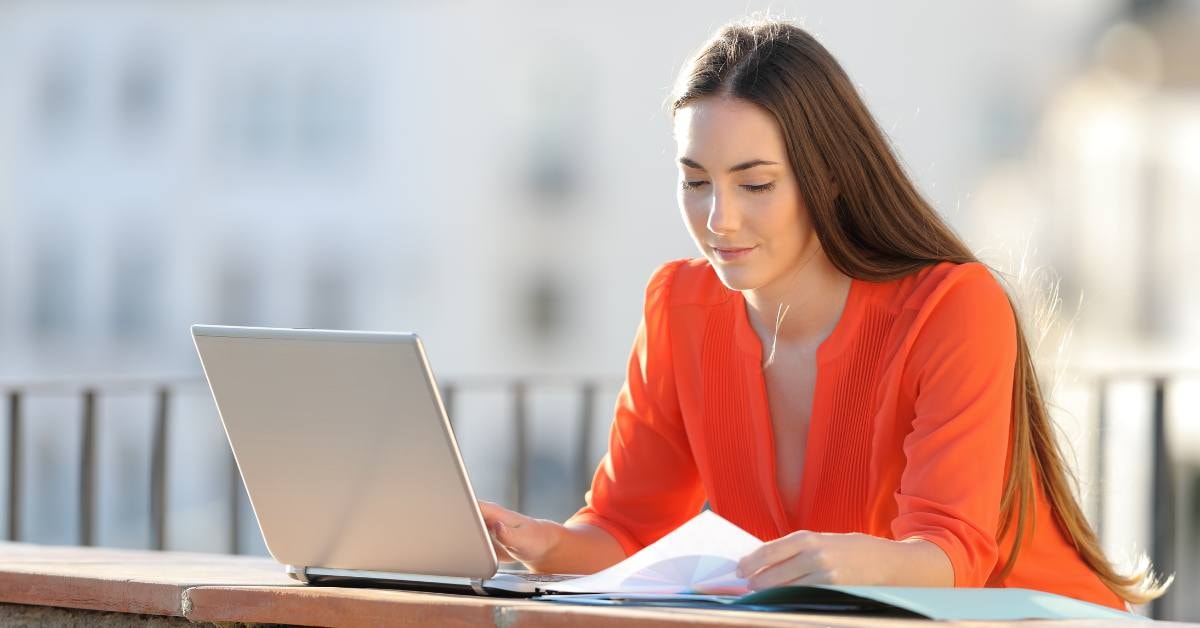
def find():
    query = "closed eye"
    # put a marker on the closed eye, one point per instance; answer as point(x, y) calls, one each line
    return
point(692, 185)
point(766, 187)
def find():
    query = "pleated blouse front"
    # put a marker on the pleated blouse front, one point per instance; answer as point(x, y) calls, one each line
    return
point(908, 435)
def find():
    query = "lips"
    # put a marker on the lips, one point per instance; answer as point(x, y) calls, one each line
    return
point(729, 254)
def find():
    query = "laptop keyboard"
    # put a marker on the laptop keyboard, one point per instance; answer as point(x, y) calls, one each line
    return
point(542, 577)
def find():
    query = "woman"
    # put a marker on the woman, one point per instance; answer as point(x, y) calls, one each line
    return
point(838, 374)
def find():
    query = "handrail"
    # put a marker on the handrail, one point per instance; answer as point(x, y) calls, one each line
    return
point(519, 389)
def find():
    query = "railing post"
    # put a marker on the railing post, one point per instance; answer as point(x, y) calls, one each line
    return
point(235, 505)
point(14, 465)
point(520, 429)
point(1101, 461)
point(1162, 544)
point(87, 470)
point(583, 468)
point(158, 471)
point(448, 397)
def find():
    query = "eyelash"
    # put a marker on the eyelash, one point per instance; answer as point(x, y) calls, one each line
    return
point(756, 189)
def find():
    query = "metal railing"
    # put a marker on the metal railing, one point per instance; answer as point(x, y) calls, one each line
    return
point(88, 461)
point(1163, 510)
point(164, 392)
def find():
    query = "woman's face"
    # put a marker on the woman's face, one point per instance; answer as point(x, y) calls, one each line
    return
point(737, 192)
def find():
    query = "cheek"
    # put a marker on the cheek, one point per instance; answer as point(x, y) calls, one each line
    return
point(782, 218)
point(693, 213)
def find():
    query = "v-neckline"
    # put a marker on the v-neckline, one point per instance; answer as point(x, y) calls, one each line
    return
point(752, 356)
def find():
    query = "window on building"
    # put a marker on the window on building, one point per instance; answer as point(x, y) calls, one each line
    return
point(545, 307)
point(56, 282)
point(329, 294)
point(141, 93)
point(237, 293)
point(58, 93)
point(136, 288)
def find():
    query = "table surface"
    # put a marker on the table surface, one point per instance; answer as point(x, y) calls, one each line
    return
point(221, 588)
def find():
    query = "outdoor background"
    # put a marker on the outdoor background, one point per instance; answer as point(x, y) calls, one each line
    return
point(498, 177)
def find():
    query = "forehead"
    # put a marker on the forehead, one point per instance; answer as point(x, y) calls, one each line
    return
point(725, 131)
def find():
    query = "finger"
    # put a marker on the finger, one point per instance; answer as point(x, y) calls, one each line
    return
point(774, 552)
point(517, 541)
point(502, 553)
point(792, 570)
point(818, 577)
point(495, 513)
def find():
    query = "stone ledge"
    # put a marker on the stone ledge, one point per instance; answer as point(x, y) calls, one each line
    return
point(329, 606)
point(125, 581)
point(91, 594)
point(23, 615)
point(325, 606)
point(237, 589)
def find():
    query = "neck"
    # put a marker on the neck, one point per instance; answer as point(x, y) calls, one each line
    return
point(812, 296)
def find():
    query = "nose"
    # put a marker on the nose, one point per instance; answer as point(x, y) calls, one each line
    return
point(723, 215)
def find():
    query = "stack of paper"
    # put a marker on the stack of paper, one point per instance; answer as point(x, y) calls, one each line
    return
point(701, 556)
point(696, 566)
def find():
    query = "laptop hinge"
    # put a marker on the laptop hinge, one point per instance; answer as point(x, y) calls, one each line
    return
point(297, 573)
point(314, 574)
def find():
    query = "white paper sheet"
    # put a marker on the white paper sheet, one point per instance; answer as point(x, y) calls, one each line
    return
point(700, 556)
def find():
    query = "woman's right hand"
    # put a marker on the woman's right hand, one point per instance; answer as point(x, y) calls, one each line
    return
point(518, 538)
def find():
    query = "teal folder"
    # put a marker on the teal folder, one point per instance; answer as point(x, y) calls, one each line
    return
point(964, 604)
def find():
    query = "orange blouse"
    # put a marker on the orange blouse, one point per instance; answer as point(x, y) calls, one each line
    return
point(908, 435)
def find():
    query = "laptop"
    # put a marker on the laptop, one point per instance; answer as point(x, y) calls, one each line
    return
point(347, 455)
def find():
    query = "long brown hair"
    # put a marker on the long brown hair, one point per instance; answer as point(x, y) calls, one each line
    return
point(874, 225)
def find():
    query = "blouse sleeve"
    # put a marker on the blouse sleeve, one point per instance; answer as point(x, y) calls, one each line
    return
point(647, 484)
point(962, 365)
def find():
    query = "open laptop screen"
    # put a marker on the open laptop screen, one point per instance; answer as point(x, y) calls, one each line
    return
point(345, 450)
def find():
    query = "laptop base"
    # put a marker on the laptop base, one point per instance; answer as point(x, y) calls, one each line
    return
point(500, 585)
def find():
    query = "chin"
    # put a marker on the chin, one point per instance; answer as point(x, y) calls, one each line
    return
point(737, 277)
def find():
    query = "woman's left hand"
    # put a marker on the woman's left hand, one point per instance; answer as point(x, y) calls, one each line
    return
point(805, 558)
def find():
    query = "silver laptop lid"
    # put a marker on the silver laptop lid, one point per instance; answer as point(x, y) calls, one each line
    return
point(345, 450)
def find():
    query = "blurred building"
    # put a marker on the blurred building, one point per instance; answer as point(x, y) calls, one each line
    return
point(1110, 184)
point(500, 177)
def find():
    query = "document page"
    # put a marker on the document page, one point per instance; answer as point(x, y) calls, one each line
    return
point(700, 556)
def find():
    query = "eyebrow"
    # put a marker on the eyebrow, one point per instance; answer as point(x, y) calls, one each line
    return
point(738, 168)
